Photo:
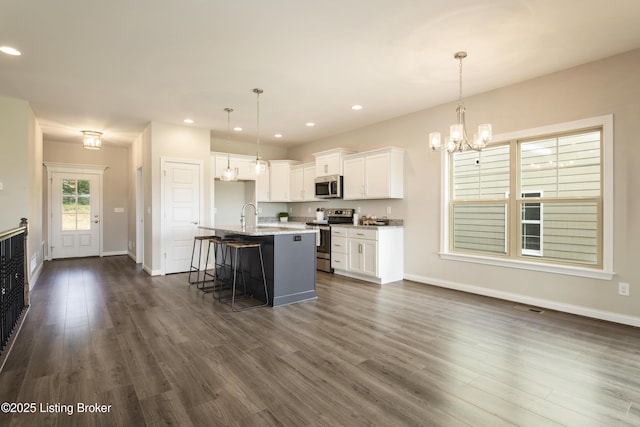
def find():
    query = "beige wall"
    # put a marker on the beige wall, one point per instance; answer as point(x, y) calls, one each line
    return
point(166, 141)
point(603, 87)
point(134, 163)
point(267, 152)
point(14, 171)
point(115, 186)
point(21, 175)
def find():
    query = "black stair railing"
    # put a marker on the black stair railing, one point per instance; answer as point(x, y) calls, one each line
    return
point(13, 280)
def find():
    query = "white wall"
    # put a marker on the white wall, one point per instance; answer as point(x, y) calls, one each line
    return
point(608, 86)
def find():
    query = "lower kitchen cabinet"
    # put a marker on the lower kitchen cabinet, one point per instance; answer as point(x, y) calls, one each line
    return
point(374, 254)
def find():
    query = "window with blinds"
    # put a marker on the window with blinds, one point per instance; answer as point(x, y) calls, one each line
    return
point(538, 199)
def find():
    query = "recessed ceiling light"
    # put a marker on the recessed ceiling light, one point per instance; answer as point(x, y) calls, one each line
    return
point(356, 107)
point(278, 135)
point(188, 121)
point(311, 124)
point(10, 51)
point(237, 129)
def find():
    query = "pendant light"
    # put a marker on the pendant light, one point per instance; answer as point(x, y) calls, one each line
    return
point(458, 139)
point(229, 174)
point(261, 165)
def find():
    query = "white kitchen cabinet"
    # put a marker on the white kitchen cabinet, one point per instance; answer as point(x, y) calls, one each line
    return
point(280, 180)
point(374, 254)
point(363, 256)
point(263, 191)
point(377, 174)
point(244, 165)
point(303, 182)
point(330, 162)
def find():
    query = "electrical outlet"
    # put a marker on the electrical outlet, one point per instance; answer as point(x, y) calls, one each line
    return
point(388, 210)
point(358, 210)
point(623, 289)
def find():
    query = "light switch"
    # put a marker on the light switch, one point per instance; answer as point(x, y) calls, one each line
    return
point(1, 186)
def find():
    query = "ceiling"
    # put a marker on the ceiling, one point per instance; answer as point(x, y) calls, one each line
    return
point(117, 65)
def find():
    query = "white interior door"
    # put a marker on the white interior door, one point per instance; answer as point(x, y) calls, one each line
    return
point(181, 213)
point(75, 215)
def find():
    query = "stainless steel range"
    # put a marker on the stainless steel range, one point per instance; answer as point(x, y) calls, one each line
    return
point(323, 250)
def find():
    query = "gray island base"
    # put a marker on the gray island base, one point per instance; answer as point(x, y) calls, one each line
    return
point(289, 261)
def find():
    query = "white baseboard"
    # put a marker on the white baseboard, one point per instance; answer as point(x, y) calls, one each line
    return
point(35, 275)
point(113, 253)
point(151, 272)
point(552, 305)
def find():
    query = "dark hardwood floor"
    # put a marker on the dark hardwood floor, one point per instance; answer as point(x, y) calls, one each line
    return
point(162, 353)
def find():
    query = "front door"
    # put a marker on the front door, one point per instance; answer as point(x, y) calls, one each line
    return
point(75, 215)
point(181, 213)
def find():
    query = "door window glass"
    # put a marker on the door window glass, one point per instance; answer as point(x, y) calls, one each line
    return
point(76, 204)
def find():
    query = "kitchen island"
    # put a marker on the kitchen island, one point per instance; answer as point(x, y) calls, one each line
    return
point(289, 256)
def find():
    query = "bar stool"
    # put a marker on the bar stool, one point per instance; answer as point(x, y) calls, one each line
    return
point(238, 248)
point(220, 253)
point(196, 268)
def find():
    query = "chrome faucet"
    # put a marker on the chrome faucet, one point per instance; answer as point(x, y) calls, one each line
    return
point(243, 222)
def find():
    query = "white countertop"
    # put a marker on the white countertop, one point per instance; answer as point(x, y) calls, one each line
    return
point(260, 230)
point(367, 226)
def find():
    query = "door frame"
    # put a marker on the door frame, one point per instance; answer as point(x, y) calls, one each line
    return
point(163, 163)
point(139, 216)
point(72, 168)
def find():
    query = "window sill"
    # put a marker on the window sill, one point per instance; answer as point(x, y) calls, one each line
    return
point(534, 266)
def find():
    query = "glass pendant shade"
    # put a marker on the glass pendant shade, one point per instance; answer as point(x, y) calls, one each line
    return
point(456, 132)
point(485, 132)
point(228, 174)
point(435, 141)
point(261, 167)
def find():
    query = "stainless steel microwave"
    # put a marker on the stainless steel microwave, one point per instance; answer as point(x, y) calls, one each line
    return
point(329, 187)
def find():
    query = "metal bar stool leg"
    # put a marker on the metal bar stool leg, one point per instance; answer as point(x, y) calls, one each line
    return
point(195, 268)
point(238, 249)
point(201, 285)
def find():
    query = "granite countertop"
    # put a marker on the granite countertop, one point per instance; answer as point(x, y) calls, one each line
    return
point(260, 230)
point(375, 227)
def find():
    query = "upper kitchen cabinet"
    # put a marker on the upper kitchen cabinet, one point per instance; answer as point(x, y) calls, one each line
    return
point(330, 162)
point(280, 180)
point(263, 190)
point(376, 174)
point(244, 165)
point(303, 182)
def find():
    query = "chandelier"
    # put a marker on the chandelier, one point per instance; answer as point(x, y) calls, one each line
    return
point(458, 139)
point(229, 174)
point(261, 165)
point(91, 139)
